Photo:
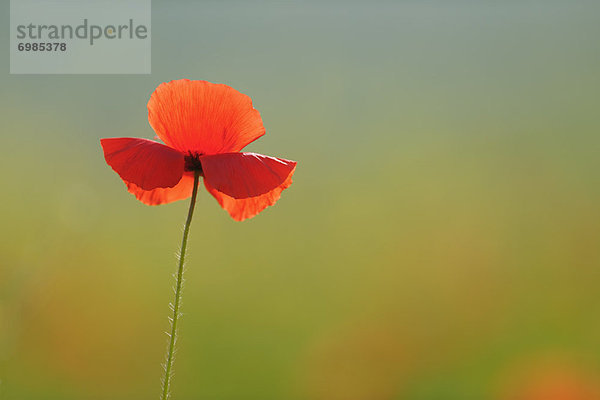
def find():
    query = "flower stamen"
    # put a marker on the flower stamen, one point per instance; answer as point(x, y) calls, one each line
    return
point(192, 163)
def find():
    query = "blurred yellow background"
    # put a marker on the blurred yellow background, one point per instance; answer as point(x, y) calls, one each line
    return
point(441, 239)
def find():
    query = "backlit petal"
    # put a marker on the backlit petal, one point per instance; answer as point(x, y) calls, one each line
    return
point(247, 207)
point(203, 117)
point(243, 175)
point(158, 196)
point(145, 163)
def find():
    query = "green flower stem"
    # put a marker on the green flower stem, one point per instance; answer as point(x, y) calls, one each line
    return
point(178, 287)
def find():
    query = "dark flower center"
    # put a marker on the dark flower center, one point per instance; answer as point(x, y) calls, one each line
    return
point(192, 162)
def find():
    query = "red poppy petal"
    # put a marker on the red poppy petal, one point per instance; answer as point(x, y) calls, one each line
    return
point(244, 175)
point(145, 163)
point(203, 117)
point(243, 208)
point(157, 196)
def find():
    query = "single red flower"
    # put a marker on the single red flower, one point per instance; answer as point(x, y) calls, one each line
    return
point(204, 127)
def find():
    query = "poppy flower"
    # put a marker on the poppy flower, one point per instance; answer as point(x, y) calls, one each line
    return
point(204, 126)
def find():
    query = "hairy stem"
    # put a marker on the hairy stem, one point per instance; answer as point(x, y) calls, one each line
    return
point(178, 287)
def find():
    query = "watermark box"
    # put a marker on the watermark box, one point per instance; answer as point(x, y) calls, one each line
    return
point(80, 37)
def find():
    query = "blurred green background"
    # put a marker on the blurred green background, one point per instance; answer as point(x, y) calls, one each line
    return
point(441, 239)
